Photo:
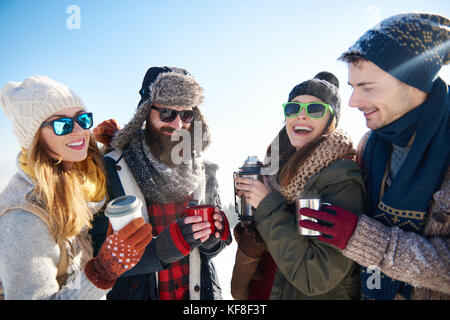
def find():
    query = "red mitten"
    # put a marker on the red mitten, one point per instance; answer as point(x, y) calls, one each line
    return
point(120, 252)
point(343, 224)
point(105, 131)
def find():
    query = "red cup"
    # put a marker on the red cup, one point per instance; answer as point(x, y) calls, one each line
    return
point(204, 211)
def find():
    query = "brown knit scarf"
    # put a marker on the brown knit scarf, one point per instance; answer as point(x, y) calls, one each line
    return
point(336, 145)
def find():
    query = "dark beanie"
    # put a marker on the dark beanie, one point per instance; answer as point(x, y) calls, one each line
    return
point(324, 86)
point(411, 47)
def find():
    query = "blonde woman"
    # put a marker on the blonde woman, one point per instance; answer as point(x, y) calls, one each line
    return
point(47, 208)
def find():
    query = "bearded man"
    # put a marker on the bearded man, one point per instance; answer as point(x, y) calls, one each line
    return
point(149, 163)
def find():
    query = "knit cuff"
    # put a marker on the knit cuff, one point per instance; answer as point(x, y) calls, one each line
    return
point(369, 242)
point(95, 277)
point(171, 245)
point(226, 228)
point(178, 239)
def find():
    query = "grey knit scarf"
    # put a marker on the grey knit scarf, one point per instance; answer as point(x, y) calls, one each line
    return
point(158, 182)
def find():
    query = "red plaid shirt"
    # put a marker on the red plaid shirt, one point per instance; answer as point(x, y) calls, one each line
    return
point(173, 282)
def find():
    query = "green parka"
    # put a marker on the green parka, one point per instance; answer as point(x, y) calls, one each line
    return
point(308, 268)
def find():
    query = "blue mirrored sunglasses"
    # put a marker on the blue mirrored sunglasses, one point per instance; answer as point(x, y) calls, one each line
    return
point(62, 126)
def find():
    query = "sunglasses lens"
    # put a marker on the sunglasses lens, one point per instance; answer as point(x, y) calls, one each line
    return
point(85, 120)
point(316, 110)
point(62, 126)
point(187, 116)
point(291, 109)
point(167, 115)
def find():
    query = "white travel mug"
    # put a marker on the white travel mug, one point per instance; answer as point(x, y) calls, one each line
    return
point(123, 210)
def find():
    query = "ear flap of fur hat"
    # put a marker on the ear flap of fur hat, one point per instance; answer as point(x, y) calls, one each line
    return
point(205, 133)
point(174, 87)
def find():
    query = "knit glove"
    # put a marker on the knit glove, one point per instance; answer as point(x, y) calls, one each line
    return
point(249, 240)
point(222, 234)
point(120, 252)
point(105, 131)
point(176, 241)
point(342, 224)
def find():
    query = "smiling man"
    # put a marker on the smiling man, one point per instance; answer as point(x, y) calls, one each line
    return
point(379, 95)
point(404, 234)
point(145, 163)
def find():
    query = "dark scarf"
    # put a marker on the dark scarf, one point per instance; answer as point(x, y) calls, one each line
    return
point(158, 182)
point(405, 202)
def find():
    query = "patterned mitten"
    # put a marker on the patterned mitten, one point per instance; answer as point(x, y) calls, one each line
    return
point(176, 241)
point(120, 252)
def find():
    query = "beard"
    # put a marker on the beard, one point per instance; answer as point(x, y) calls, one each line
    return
point(160, 143)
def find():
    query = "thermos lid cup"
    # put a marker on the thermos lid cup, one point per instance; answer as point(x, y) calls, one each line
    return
point(122, 206)
point(251, 160)
point(251, 166)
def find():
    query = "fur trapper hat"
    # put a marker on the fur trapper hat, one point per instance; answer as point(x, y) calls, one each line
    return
point(167, 86)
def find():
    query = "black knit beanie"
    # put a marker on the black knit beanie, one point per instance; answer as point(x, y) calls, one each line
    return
point(412, 47)
point(324, 86)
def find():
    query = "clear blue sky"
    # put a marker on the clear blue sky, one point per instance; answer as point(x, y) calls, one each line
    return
point(247, 54)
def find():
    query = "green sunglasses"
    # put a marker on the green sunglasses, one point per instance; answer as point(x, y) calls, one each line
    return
point(314, 110)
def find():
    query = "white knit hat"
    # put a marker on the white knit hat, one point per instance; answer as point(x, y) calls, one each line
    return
point(29, 103)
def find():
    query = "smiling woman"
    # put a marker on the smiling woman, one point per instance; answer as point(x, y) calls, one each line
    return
point(273, 260)
point(47, 208)
point(65, 135)
point(305, 126)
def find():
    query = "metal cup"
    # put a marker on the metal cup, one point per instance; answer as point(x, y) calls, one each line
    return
point(306, 203)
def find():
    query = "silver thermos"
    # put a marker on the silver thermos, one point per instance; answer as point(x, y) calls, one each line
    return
point(251, 169)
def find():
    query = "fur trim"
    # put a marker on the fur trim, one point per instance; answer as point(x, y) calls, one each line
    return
point(212, 185)
point(122, 137)
point(176, 89)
